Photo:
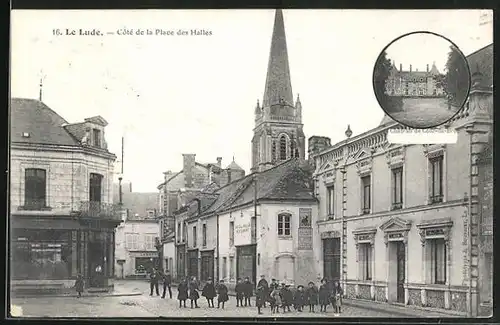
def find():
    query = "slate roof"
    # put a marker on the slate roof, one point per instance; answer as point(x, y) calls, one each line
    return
point(138, 203)
point(234, 166)
point(43, 124)
point(482, 60)
point(289, 180)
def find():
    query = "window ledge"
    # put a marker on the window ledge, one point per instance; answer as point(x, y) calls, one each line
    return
point(284, 237)
point(31, 208)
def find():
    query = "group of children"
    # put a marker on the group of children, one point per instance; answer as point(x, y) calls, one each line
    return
point(278, 296)
point(281, 296)
point(210, 291)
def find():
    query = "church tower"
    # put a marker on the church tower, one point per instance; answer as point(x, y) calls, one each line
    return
point(278, 133)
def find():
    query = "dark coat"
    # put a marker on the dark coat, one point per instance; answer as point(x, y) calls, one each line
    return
point(338, 293)
point(154, 277)
point(312, 296)
point(324, 294)
point(222, 295)
point(167, 278)
point(79, 284)
point(209, 291)
point(263, 283)
point(287, 297)
point(248, 289)
point(193, 290)
point(261, 296)
point(183, 291)
point(299, 300)
point(240, 290)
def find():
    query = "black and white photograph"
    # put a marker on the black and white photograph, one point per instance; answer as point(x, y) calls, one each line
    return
point(427, 97)
point(162, 165)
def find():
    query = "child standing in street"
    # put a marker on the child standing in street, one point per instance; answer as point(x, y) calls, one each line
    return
point(324, 295)
point(275, 300)
point(193, 292)
point(183, 293)
point(247, 291)
point(312, 296)
point(222, 295)
point(339, 293)
point(79, 285)
point(299, 299)
point(239, 289)
point(287, 297)
point(260, 298)
point(209, 292)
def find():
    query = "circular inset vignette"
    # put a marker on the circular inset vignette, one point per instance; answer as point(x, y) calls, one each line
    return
point(421, 99)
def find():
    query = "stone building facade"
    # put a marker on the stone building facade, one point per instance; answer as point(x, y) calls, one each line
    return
point(400, 223)
point(413, 83)
point(62, 216)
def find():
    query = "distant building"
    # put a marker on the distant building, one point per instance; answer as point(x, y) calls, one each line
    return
point(138, 235)
point(193, 177)
point(413, 83)
point(62, 216)
point(412, 224)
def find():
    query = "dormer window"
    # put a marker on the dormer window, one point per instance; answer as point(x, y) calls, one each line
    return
point(97, 137)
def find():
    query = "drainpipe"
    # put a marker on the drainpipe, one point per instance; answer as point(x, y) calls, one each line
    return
point(217, 257)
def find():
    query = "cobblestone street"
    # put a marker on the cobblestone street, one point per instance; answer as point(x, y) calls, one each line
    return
point(424, 112)
point(147, 306)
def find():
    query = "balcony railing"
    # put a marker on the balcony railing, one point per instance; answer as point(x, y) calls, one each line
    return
point(436, 199)
point(100, 210)
point(397, 206)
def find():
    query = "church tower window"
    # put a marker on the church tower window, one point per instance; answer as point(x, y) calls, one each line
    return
point(273, 151)
point(292, 149)
point(282, 147)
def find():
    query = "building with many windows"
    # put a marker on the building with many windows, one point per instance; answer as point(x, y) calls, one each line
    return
point(400, 223)
point(62, 216)
point(413, 83)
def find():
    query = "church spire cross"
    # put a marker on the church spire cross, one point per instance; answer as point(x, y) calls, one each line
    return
point(278, 89)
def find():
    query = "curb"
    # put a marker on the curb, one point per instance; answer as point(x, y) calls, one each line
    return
point(83, 296)
point(408, 311)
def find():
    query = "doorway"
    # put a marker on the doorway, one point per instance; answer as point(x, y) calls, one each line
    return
point(96, 264)
point(193, 263)
point(246, 262)
point(401, 264)
point(331, 258)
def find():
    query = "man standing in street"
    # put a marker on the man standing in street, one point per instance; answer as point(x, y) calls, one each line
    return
point(265, 288)
point(153, 282)
point(167, 283)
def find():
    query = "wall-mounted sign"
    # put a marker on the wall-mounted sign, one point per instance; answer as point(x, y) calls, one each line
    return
point(239, 229)
point(305, 217)
point(305, 239)
point(144, 254)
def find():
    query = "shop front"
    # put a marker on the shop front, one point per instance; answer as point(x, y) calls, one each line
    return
point(144, 262)
point(45, 251)
point(246, 262)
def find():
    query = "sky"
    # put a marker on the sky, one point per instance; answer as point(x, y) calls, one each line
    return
point(429, 47)
point(172, 94)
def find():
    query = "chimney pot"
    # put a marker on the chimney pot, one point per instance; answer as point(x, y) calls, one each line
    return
point(427, 68)
point(400, 67)
point(410, 68)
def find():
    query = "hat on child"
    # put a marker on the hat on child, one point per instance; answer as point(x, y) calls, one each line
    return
point(311, 283)
point(300, 286)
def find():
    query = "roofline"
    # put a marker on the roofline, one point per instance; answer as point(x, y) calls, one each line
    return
point(478, 50)
point(57, 147)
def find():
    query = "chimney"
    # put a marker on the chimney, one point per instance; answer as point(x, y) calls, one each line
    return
point(219, 161)
point(188, 166)
point(427, 67)
point(410, 67)
point(400, 67)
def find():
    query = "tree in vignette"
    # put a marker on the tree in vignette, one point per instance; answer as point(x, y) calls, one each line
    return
point(381, 74)
point(456, 79)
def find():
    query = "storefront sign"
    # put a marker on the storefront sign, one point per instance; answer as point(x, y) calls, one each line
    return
point(146, 254)
point(305, 239)
point(239, 229)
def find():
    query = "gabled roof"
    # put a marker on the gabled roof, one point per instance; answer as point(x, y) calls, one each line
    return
point(39, 122)
point(234, 166)
point(289, 180)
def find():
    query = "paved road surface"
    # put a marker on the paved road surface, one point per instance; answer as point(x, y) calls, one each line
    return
point(146, 306)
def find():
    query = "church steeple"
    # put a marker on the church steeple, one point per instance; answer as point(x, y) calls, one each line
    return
point(278, 133)
point(278, 89)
